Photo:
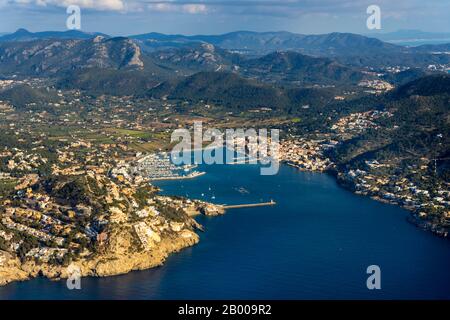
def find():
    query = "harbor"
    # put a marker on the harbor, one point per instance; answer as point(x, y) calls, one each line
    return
point(157, 167)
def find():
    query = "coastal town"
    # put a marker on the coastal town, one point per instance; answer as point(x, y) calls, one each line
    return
point(79, 214)
point(86, 197)
point(77, 186)
point(412, 190)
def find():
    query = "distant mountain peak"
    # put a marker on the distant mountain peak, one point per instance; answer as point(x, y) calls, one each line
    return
point(98, 39)
point(22, 31)
point(25, 35)
point(56, 56)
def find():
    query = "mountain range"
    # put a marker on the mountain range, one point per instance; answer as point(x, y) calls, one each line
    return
point(333, 44)
point(348, 48)
point(52, 57)
point(25, 35)
point(278, 69)
point(72, 57)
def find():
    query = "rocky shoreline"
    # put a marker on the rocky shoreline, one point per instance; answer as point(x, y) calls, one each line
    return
point(414, 217)
point(115, 260)
point(120, 254)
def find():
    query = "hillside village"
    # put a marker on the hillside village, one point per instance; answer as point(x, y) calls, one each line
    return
point(381, 180)
point(67, 197)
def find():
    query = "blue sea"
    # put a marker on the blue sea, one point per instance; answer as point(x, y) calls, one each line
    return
point(316, 243)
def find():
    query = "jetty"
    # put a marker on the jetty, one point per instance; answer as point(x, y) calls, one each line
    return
point(250, 205)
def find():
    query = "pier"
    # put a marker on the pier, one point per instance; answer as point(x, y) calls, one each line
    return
point(250, 205)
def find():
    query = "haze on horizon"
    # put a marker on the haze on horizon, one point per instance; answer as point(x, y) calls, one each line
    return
point(126, 17)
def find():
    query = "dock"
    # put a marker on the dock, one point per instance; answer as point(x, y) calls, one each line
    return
point(250, 205)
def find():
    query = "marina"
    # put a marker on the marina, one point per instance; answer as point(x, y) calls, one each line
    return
point(159, 166)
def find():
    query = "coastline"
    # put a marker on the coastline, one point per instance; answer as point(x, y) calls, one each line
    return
point(120, 255)
point(414, 217)
point(115, 260)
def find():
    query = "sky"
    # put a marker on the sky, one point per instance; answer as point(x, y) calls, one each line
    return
point(127, 17)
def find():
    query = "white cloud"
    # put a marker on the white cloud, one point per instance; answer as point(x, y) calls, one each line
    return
point(280, 8)
point(161, 7)
point(195, 8)
point(120, 5)
point(178, 7)
point(114, 5)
